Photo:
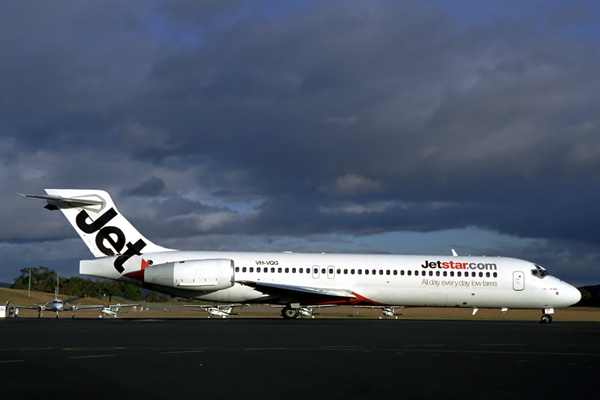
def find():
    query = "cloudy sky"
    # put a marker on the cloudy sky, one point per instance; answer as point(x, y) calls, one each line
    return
point(404, 127)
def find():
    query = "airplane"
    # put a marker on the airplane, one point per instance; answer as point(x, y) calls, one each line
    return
point(309, 311)
point(115, 309)
point(219, 310)
point(386, 311)
point(296, 280)
point(56, 305)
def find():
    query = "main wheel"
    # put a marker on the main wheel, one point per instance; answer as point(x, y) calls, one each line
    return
point(290, 313)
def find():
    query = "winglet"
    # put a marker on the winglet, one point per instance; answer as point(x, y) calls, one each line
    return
point(454, 253)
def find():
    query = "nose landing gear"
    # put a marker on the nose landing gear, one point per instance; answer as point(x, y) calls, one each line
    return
point(546, 317)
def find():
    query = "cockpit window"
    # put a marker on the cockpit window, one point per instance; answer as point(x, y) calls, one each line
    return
point(538, 271)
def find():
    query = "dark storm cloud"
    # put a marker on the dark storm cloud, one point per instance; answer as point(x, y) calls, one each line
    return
point(305, 117)
point(499, 118)
point(153, 186)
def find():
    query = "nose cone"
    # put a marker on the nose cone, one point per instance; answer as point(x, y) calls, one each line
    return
point(569, 294)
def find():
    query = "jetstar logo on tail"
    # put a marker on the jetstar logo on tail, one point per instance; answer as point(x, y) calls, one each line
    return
point(110, 240)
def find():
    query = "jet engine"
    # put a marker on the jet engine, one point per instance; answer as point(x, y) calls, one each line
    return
point(212, 274)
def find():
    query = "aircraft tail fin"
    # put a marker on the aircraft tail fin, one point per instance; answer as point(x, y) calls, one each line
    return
point(95, 218)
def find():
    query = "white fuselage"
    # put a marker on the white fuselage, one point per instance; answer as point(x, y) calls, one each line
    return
point(56, 305)
point(374, 279)
point(297, 279)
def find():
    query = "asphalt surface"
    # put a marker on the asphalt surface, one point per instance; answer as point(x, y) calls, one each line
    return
point(320, 358)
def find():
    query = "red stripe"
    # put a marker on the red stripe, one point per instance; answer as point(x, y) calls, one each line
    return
point(355, 301)
point(138, 275)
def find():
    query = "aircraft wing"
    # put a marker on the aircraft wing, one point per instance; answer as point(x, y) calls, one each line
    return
point(116, 308)
point(84, 307)
point(381, 307)
point(300, 293)
point(213, 305)
point(124, 305)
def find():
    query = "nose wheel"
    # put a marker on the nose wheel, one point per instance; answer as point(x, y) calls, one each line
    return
point(546, 319)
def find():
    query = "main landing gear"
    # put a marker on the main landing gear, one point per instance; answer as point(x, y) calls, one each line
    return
point(288, 312)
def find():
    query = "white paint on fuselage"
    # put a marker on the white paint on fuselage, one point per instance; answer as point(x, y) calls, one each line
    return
point(436, 288)
point(56, 305)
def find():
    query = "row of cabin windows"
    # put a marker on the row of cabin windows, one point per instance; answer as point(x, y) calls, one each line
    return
point(359, 271)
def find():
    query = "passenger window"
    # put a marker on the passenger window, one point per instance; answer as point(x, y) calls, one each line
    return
point(287, 270)
point(408, 272)
point(387, 272)
point(244, 269)
point(237, 269)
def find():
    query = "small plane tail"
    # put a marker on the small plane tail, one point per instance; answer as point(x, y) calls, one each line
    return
point(98, 222)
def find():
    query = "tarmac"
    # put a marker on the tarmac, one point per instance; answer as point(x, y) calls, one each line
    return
point(267, 358)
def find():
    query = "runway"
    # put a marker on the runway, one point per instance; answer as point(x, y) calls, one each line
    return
point(273, 358)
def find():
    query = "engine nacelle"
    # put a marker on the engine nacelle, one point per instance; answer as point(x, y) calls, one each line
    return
point(212, 274)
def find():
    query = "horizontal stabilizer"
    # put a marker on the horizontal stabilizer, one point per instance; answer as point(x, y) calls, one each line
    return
point(56, 202)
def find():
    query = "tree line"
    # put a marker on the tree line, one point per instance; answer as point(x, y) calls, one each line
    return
point(44, 280)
